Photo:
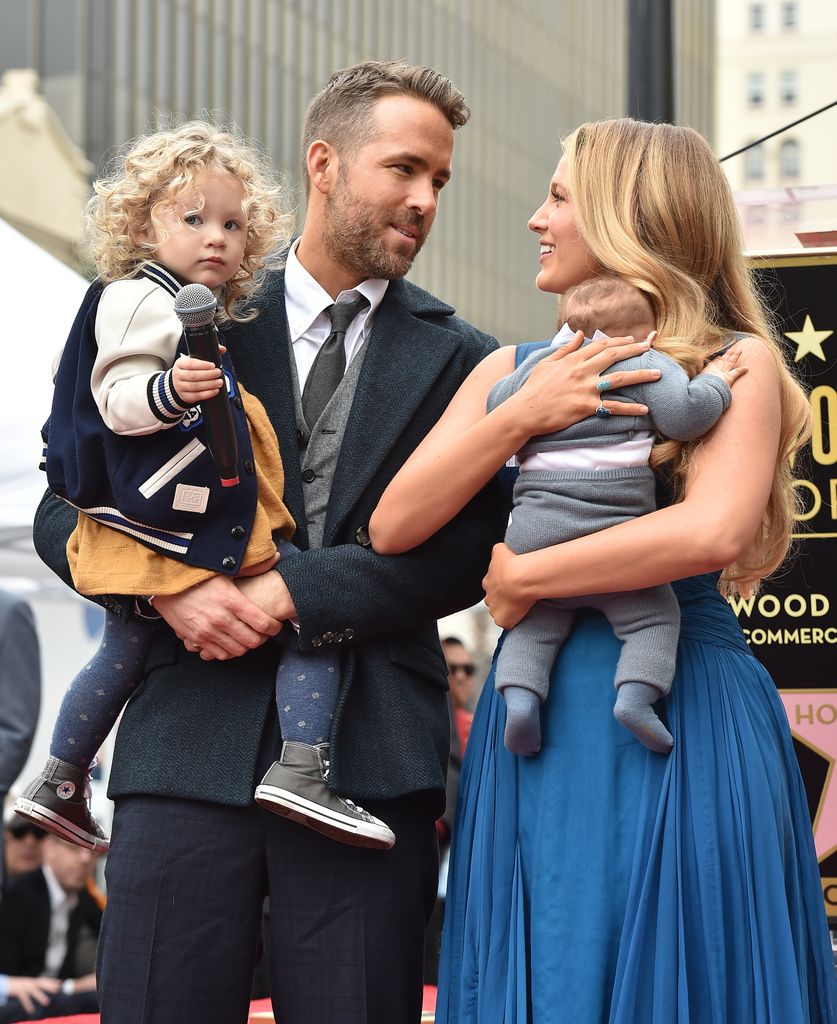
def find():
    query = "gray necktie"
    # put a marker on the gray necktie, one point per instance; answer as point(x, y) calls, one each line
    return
point(330, 365)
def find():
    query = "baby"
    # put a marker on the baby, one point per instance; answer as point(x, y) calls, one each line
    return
point(587, 477)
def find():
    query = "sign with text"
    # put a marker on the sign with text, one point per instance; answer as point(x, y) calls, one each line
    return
point(791, 625)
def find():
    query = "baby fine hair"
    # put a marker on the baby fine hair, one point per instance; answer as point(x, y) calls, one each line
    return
point(154, 172)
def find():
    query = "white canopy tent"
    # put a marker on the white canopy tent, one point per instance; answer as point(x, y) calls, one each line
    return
point(41, 299)
point(41, 296)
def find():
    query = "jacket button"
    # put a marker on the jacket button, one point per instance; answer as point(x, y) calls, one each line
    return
point(228, 562)
point(316, 641)
point(237, 402)
point(339, 638)
point(237, 532)
point(309, 476)
point(362, 537)
point(248, 466)
point(300, 435)
point(348, 633)
point(328, 636)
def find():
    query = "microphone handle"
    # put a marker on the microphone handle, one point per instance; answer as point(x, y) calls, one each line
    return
point(219, 431)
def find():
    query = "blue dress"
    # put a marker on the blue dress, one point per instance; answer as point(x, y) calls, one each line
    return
point(600, 883)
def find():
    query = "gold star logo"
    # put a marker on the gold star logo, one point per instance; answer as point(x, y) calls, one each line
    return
point(808, 341)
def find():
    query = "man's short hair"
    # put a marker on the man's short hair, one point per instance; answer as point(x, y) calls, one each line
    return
point(341, 113)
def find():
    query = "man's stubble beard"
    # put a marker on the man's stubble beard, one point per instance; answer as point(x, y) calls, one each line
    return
point(352, 237)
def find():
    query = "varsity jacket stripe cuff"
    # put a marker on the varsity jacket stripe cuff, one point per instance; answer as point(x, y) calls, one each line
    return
point(163, 400)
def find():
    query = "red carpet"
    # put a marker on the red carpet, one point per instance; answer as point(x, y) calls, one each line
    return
point(258, 1005)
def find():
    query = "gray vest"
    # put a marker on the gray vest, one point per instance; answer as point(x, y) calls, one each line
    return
point(319, 448)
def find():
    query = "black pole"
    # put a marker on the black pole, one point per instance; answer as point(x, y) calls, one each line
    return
point(650, 60)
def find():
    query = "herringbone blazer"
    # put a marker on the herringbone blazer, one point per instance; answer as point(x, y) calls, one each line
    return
point(194, 729)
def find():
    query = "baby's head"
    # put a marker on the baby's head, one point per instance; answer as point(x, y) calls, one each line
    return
point(161, 175)
point(608, 304)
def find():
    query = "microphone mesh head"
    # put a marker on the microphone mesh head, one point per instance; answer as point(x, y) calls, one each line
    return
point(195, 305)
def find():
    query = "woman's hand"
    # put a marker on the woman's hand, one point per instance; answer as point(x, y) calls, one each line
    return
point(504, 597)
point(570, 384)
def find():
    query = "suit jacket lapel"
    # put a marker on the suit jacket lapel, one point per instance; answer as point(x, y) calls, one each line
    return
point(261, 354)
point(405, 357)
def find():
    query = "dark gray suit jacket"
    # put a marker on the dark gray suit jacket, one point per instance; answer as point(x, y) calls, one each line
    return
point(20, 687)
point(194, 729)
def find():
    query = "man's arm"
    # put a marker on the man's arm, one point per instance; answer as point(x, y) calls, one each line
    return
point(372, 594)
point(20, 691)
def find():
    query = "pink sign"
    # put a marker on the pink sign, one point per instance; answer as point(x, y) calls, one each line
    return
point(812, 715)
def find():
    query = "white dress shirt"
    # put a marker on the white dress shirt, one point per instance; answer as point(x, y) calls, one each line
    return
point(62, 905)
point(306, 302)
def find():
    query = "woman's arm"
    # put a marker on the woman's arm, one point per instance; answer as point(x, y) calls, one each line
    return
point(711, 528)
point(466, 447)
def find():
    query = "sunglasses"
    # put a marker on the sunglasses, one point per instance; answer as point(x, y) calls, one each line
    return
point(467, 669)
point(21, 831)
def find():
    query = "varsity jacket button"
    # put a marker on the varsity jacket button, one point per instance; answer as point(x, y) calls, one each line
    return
point(309, 476)
point(228, 562)
point(237, 402)
point(339, 637)
point(328, 636)
point(348, 633)
point(237, 532)
point(316, 641)
point(362, 537)
point(248, 466)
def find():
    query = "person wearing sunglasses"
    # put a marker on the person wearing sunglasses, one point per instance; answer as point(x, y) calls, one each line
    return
point(23, 849)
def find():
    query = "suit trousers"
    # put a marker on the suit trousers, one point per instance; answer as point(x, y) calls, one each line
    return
point(186, 882)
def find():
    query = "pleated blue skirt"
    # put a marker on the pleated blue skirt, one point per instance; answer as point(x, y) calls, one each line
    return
point(599, 883)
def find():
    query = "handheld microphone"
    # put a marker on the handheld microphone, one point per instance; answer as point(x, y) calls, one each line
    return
point(195, 306)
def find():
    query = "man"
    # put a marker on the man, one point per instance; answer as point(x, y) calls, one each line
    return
point(20, 690)
point(49, 925)
point(461, 670)
point(191, 856)
point(23, 845)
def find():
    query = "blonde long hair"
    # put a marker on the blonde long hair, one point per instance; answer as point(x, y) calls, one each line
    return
point(654, 207)
point(154, 172)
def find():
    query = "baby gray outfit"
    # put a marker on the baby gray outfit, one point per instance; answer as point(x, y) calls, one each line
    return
point(555, 506)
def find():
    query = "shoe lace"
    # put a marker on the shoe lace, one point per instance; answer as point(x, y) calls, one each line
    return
point(346, 800)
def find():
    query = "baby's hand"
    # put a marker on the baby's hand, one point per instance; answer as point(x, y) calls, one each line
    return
point(196, 380)
point(727, 366)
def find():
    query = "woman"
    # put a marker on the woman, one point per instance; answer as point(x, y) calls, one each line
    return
point(599, 881)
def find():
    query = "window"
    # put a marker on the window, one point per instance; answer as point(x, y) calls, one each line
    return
point(755, 89)
point(754, 163)
point(789, 159)
point(789, 15)
point(788, 88)
point(756, 17)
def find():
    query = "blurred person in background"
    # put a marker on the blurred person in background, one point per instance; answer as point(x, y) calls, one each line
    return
point(23, 847)
point(49, 928)
point(461, 679)
point(20, 689)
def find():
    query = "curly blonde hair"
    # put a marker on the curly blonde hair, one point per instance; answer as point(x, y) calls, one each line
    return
point(156, 171)
point(654, 207)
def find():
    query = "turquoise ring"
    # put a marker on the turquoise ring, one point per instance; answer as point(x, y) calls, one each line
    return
point(604, 385)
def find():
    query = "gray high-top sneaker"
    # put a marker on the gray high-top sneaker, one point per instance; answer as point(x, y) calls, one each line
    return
point(296, 786)
point(59, 801)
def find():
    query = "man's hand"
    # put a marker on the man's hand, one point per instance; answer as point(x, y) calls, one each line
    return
point(86, 983)
point(216, 620)
point(33, 992)
point(269, 592)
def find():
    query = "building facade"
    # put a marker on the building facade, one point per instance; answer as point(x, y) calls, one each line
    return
point(530, 70)
point(776, 63)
